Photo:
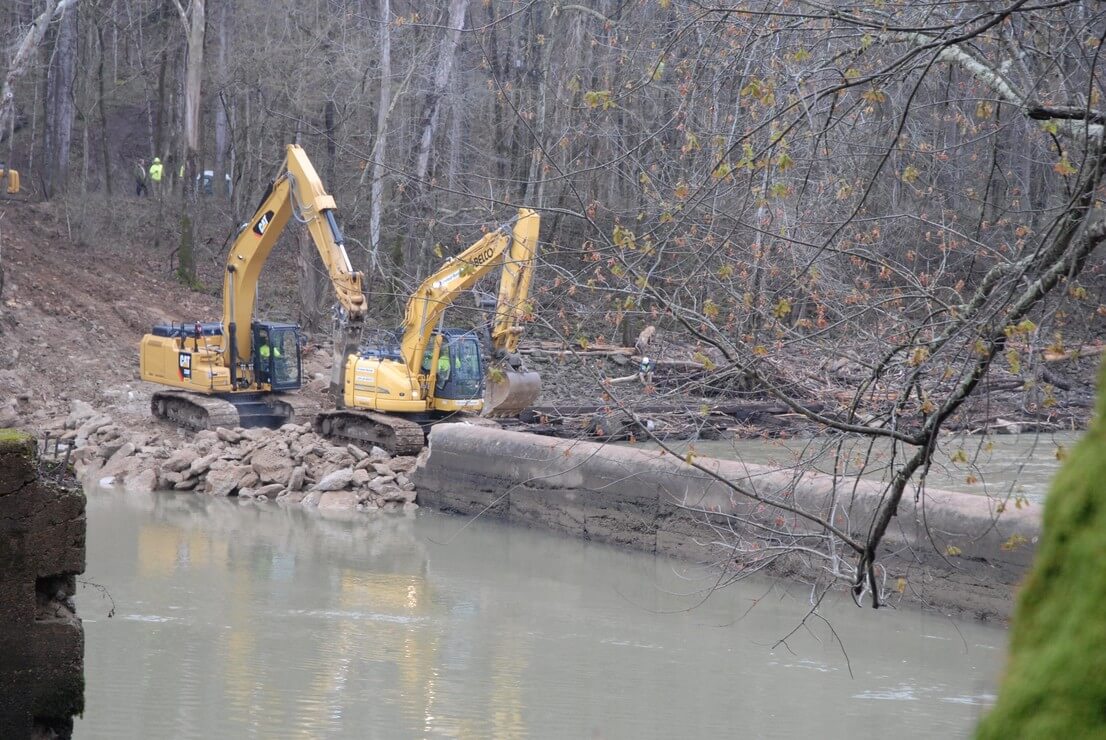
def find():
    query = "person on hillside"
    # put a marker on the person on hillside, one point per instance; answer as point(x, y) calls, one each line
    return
point(645, 371)
point(140, 175)
point(156, 170)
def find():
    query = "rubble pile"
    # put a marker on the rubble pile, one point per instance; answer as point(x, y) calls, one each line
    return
point(289, 465)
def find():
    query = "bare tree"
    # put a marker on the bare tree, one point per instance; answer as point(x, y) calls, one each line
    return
point(60, 108)
point(21, 60)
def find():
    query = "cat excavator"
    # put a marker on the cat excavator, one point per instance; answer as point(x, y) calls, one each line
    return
point(401, 382)
point(243, 371)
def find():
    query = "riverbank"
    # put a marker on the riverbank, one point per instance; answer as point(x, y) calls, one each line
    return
point(961, 554)
point(290, 465)
point(958, 553)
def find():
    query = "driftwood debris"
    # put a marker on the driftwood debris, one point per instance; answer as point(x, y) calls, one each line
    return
point(1087, 350)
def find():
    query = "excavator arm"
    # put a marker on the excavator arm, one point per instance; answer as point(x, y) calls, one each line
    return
point(514, 283)
point(298, 193)
point(437, 292)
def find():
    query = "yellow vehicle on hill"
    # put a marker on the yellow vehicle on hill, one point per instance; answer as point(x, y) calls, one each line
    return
point(12, 176)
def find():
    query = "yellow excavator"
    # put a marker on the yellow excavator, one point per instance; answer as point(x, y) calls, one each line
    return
point(424, 373)
point(243, 371)
point(12, 176)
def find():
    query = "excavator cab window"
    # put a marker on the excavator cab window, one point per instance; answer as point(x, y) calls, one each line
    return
point(466, 375)
point(276, 350)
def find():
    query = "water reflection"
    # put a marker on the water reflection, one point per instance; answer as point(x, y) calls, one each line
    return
point(256, 621)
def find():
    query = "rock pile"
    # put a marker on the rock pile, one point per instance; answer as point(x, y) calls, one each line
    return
point(291, 464)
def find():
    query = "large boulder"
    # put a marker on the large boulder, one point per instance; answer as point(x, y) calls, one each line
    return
point(402, 464)
point(334, 481)
point(272, 467)
point(79, 413)
point(269, 491)
point(181, 459)
point(227, 435)
point(143, 481)
point(200, 465)
point(340, 500)
point(90, 427)
point(120, 462)
point(295, 482)
point(225, 481)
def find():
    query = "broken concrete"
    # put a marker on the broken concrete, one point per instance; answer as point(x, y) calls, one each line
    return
point(958, 553)
point(256, 464)
point(42, 549)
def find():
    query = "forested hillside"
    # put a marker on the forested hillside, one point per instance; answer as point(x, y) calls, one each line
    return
point(867, 213)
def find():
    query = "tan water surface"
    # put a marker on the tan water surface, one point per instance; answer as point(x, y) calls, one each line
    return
point(253, 621)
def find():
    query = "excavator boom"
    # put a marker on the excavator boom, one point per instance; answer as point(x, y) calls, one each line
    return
point(297, 192)
point(508, 388)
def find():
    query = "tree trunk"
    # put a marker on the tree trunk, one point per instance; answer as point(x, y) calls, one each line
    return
point(223, 104)
point(377, 191)
point(161, 122)
point(21, 61)
point(428, 125)
point(101, 109)
point(59, 104)
point(194, 67)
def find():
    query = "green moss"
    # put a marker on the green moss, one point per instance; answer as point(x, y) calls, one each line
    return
point(1055, 679)
point(13, 440)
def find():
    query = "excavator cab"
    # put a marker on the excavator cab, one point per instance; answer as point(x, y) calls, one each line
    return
point(464, 378)
point(276, 355)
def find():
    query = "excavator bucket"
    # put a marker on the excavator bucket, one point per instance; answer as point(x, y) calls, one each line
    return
point(506, 393)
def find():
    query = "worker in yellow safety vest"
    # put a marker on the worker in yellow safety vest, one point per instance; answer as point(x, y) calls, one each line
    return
point(156, 169)
point(265, 352)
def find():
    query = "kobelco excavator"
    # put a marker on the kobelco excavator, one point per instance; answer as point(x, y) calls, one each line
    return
point(425, 373)
point(241, 371)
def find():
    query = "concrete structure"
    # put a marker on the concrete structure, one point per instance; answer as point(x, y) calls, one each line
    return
point(953, 551)
point(42, 548)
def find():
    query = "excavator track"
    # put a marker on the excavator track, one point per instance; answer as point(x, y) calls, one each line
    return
point(199, 412)
point(299, 410)
point(193, 411)
point(397, 435)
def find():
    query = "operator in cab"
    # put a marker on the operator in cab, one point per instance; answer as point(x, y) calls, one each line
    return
point(265, 352)
point(443, 365)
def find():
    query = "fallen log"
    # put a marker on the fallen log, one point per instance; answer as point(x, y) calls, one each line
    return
point(1087, 350)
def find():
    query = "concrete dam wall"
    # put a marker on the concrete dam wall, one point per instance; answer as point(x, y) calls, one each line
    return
point(960, 553)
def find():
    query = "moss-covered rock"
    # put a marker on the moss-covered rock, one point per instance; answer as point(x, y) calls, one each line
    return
point(13, 440)
point(1055, 680)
